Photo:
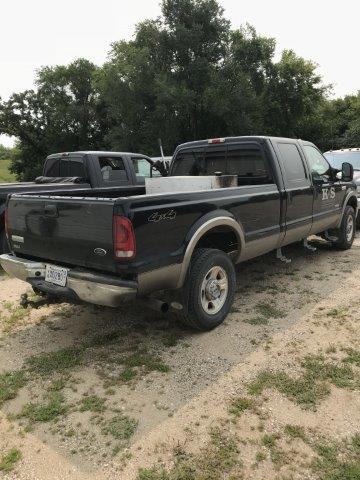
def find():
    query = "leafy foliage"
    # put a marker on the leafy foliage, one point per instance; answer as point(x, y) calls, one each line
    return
point(186, 75)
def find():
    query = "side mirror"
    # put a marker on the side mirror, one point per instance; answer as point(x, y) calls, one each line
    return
point(347, 172)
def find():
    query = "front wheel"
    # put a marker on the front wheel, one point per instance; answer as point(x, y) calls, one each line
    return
point(209, 289)
point(346, 233)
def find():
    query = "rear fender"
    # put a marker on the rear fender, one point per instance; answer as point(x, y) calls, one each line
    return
point(200, 228)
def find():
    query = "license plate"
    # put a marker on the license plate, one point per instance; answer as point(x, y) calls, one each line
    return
point(56, 275)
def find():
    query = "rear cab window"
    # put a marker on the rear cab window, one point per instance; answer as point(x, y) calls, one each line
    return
point(65, 167)
point(112, 169)
point(247, 161)
point(293, 164)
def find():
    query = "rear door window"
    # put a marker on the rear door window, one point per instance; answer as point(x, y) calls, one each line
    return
point(249, 164)
point(246, 161)
point(112, 169)
point(293, 164)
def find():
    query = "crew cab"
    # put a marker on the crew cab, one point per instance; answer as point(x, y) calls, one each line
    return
point(101, 172)
point(182, 245)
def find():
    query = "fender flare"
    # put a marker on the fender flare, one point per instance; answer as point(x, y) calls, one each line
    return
point(203, 225)
point(346, 201)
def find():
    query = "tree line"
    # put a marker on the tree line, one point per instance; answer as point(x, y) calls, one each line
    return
point(185, 75)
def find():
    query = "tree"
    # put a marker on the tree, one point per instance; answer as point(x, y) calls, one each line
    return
point(61, 115)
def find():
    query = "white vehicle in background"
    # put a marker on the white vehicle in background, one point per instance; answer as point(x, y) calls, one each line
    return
point(351, 155)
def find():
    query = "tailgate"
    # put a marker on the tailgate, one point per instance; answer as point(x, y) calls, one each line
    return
point(72, 231)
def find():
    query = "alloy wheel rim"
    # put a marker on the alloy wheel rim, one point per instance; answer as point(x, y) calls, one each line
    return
point(349, 228)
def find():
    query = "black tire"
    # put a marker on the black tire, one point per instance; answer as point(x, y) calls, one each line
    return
point(203, 263)
point(4, 247)
point(346, 233)
point(358, 221)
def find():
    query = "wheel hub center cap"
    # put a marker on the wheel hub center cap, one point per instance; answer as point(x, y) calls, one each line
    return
point(212, 290)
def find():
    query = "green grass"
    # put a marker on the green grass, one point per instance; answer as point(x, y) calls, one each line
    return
point(9, 460)
point(338, 461)
point(309, 388)
point(120, 427)
point(10, 384)
point(239, 405)
point(265, 311)
point(15, 314)
point(217, 460)
point(47, 411)
point(146, 360)
point(92, 403)
point(353, 356)
point(268, 311)
point(59, 361)
point(5, 174)
point(127, 375)
point(295, 431)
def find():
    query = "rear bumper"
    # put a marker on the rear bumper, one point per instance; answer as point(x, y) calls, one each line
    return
point(82, 285)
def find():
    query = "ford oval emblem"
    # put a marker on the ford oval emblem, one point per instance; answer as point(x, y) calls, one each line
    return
point(100, 251)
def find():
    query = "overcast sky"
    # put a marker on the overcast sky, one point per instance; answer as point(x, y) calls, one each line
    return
point(35, 33)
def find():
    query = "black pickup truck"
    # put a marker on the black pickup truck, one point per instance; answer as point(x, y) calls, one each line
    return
point(101, 172)
point(183, 245)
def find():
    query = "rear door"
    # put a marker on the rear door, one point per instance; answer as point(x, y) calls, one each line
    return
point(299, 190)
point(329, 192)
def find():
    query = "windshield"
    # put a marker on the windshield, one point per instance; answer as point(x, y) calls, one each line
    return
point(336, 159)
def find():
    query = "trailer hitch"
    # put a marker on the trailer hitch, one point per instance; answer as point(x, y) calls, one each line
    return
point(45, 300)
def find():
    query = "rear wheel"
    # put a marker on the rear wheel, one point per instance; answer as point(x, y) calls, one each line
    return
point(209, 289)
point(346, 233)
point(4, 247)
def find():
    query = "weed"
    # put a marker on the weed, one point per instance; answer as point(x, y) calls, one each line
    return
point(260, 457)
point(120, 427)
point(268, 441)
point(295, 431)
point(340, 312)
point(105, 338)
point(9, 460)
point(170, 340)
point(353, 356)
point(10, 384)
point(337, 461)
point(219, 459)
point(45, 412)
point(127, 375)
point(58, 361)
point(311, 387)
point(239, 406)
point(92, 403)
point(146, 360)
point(257, 321)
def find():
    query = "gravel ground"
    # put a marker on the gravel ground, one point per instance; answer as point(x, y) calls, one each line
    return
point(150, 371)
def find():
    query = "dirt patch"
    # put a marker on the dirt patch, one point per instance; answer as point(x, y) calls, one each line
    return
point(115, 390)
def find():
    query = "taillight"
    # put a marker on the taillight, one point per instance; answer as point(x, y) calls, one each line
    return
point(6, 224)
point(124, 238)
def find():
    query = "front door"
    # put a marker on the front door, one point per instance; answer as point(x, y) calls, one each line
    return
point(299, 191)
point(328, 191)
